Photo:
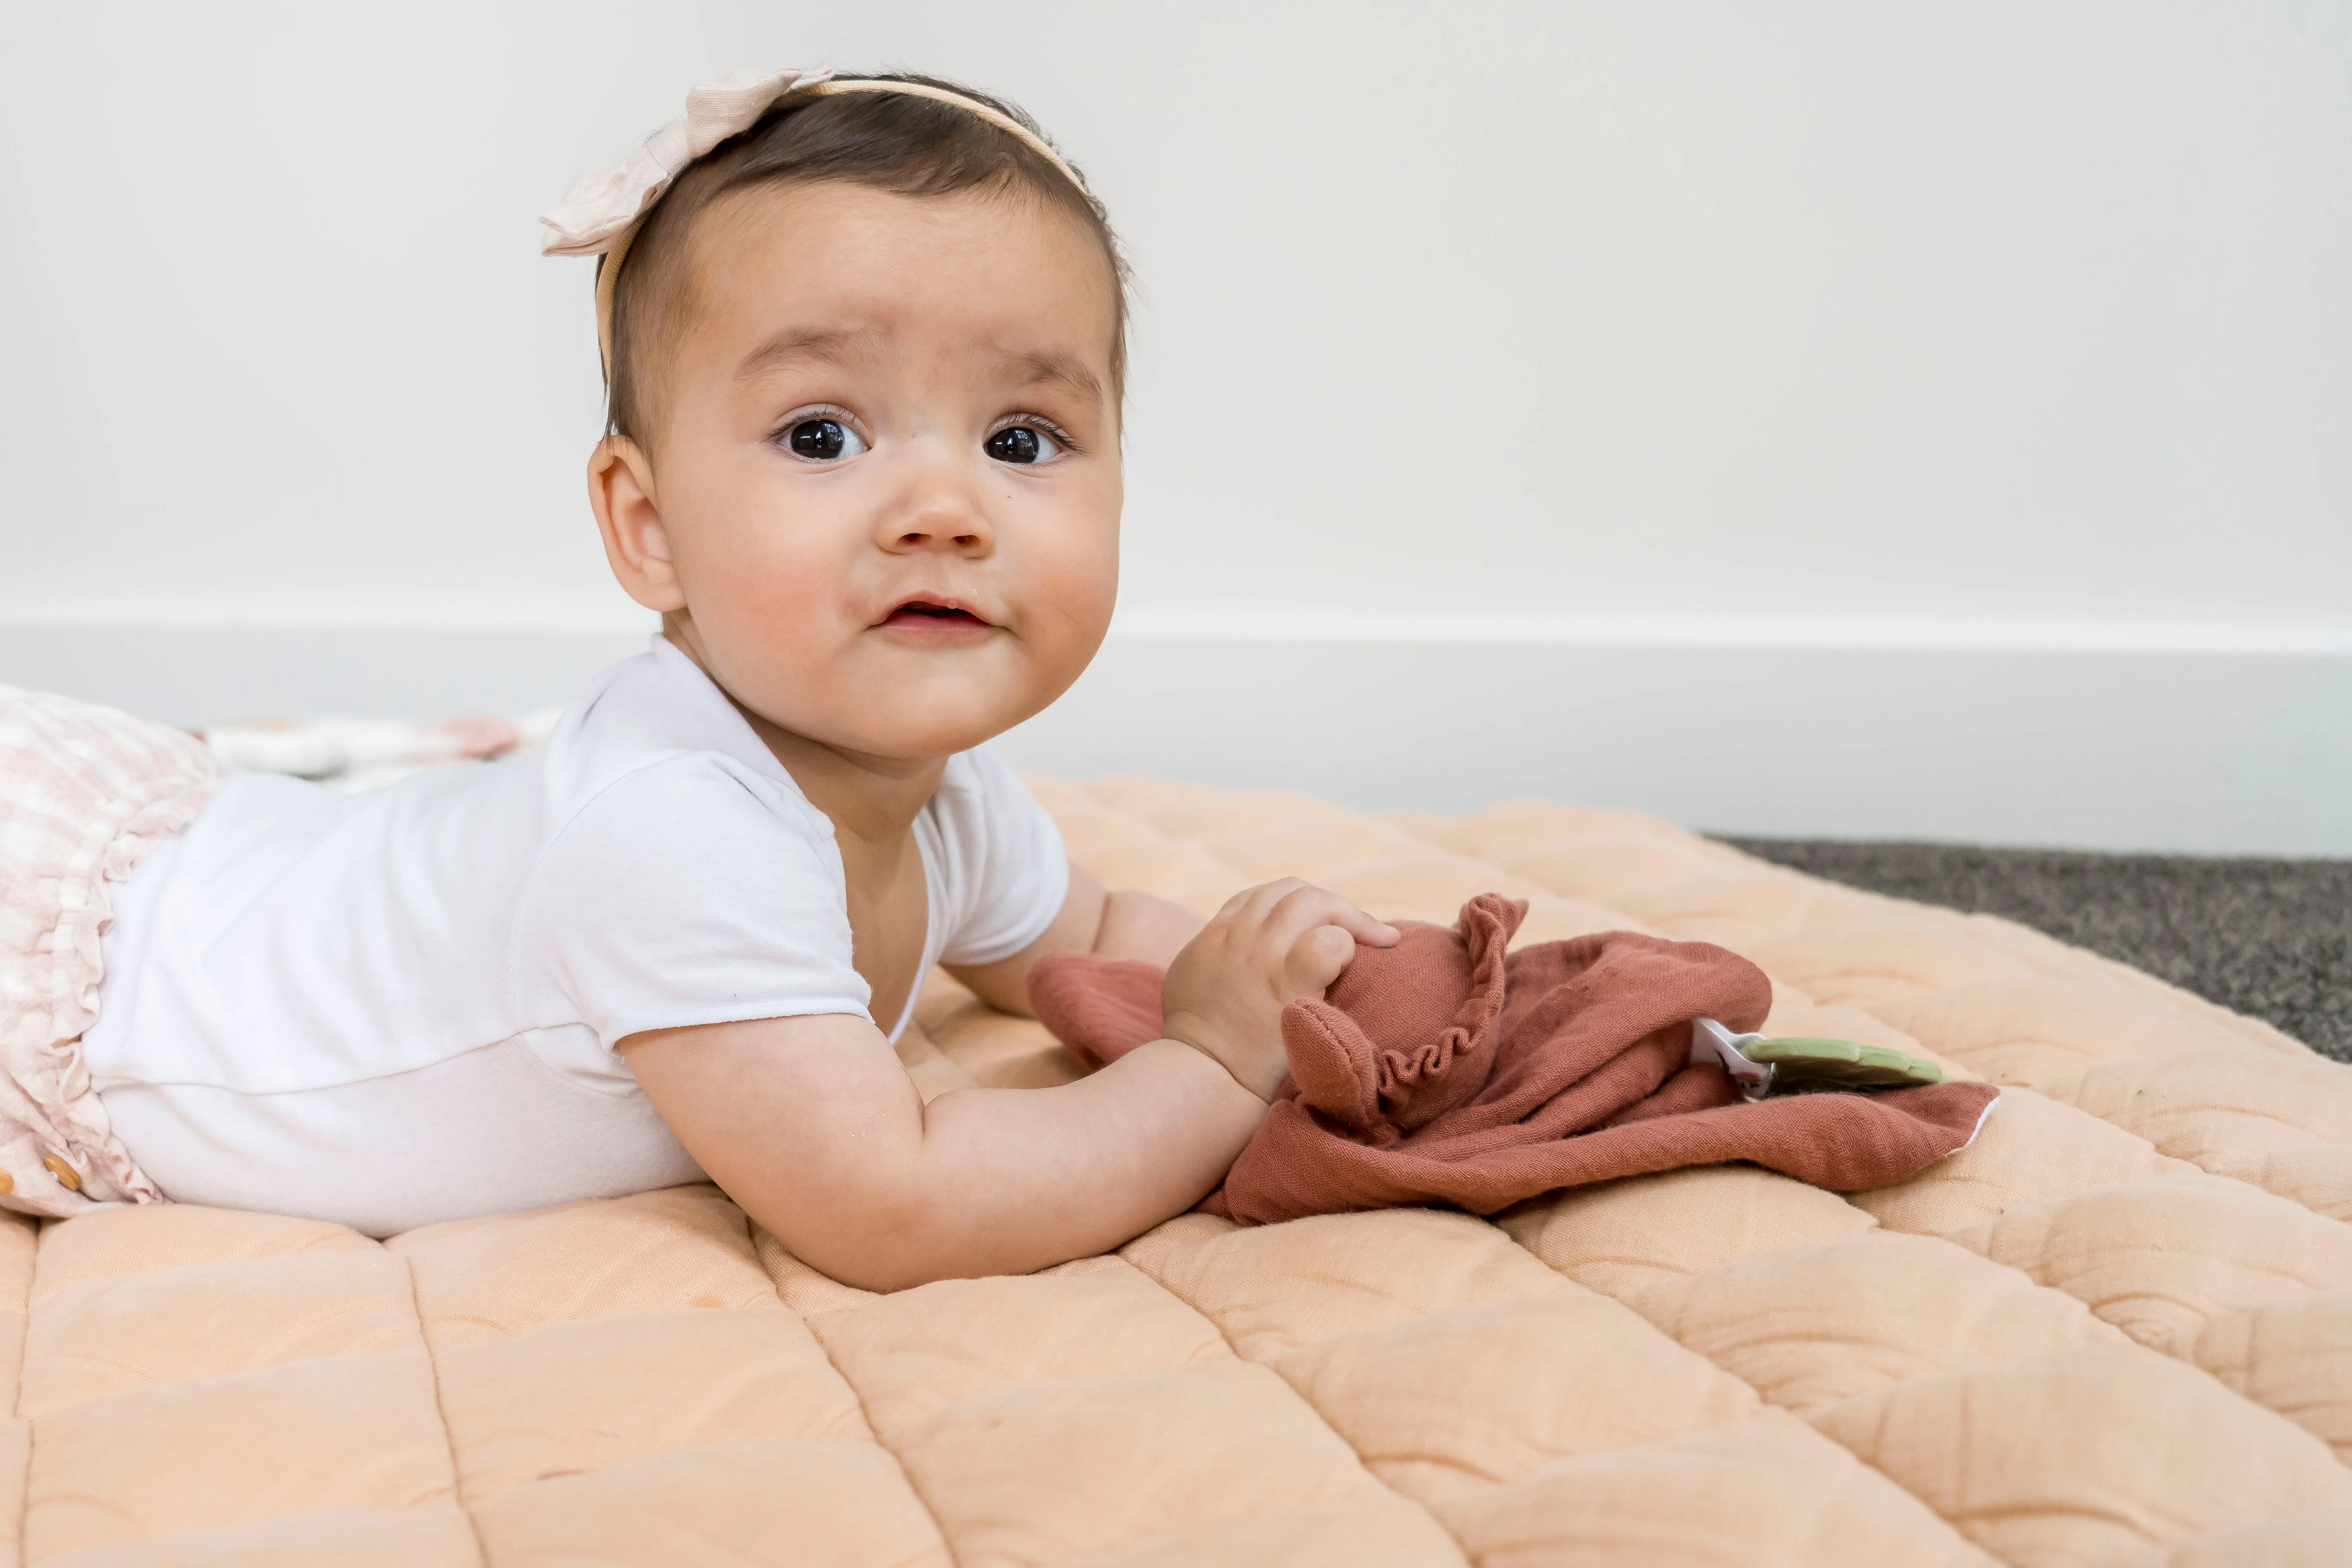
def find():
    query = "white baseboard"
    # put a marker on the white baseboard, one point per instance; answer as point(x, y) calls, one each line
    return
point(2227, 747)
point(197, 676)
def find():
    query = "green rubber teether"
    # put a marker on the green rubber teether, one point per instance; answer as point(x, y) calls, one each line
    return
point(1799, 1064)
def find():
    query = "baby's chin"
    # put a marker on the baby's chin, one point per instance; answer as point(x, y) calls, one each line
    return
point(905, 694)
point(910, 719)
point(908, 738)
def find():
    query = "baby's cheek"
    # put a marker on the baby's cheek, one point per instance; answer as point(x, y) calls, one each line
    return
point(756, 604)
point(777, 574)
point(1077, 585)
point(774, 626)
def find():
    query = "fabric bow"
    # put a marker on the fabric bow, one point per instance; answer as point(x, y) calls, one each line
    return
point(604, 205)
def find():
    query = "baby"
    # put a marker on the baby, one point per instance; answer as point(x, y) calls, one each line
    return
point(865, 349)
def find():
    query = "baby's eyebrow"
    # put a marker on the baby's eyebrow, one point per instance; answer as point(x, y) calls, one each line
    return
point(826, 347)
point(1063, 369)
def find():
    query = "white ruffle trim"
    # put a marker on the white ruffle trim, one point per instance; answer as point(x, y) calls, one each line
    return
point(84, 793)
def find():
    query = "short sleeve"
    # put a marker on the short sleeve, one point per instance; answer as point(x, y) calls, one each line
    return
point(1006, 870)
point(691, 892)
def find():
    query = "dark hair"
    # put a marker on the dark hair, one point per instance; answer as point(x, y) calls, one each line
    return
point(890, 142)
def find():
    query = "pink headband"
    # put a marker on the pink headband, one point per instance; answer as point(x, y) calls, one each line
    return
point(602, 214)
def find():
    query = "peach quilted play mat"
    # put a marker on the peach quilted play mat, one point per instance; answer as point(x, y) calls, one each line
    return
point(2117, 1329)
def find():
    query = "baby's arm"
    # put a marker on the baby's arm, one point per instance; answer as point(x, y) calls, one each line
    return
point(813, 1128)
point(1122, 925)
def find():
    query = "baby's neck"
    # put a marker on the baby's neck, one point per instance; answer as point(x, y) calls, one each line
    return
point(872, 801)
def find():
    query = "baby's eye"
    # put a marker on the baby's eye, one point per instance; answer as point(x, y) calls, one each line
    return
point(824, 440)
point(1022, 444)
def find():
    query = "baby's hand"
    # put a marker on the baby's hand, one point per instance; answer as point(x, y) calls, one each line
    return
point(1269, 946)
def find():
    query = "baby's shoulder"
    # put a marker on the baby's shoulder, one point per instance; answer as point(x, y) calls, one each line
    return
point(656, 726)
point(684, 798)
point(687, 848)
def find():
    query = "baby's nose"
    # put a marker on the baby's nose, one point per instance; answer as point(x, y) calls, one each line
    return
point(943, 539)
point(941, 522)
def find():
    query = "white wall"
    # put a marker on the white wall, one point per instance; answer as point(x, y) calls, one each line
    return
point(1736, 334)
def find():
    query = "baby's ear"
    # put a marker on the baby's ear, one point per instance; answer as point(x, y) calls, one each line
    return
point(628, 516)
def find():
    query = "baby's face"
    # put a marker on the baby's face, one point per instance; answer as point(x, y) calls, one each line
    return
point(886, 472)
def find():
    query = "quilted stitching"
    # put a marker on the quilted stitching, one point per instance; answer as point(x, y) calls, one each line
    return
point(2113, 1330)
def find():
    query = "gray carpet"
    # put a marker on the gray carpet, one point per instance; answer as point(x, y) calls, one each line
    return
point(2269, 938)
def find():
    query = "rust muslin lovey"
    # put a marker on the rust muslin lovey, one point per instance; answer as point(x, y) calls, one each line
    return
point(1448, 1070)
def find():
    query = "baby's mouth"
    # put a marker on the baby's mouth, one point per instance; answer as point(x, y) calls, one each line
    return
point(928, 615)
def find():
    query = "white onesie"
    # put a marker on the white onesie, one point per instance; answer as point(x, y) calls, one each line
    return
point(399, 1007)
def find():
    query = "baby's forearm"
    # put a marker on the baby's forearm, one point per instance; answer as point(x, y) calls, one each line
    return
point(1014, 1179)
point(812, 1126)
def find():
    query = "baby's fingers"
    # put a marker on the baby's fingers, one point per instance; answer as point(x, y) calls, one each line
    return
point(1319, 958)
point(1364, 928)
point(1261, 903)
point(1316, 932)
point(1305, 905)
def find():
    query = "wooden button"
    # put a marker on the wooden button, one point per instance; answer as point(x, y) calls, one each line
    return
point(7, 1183)
point(68, 1177)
